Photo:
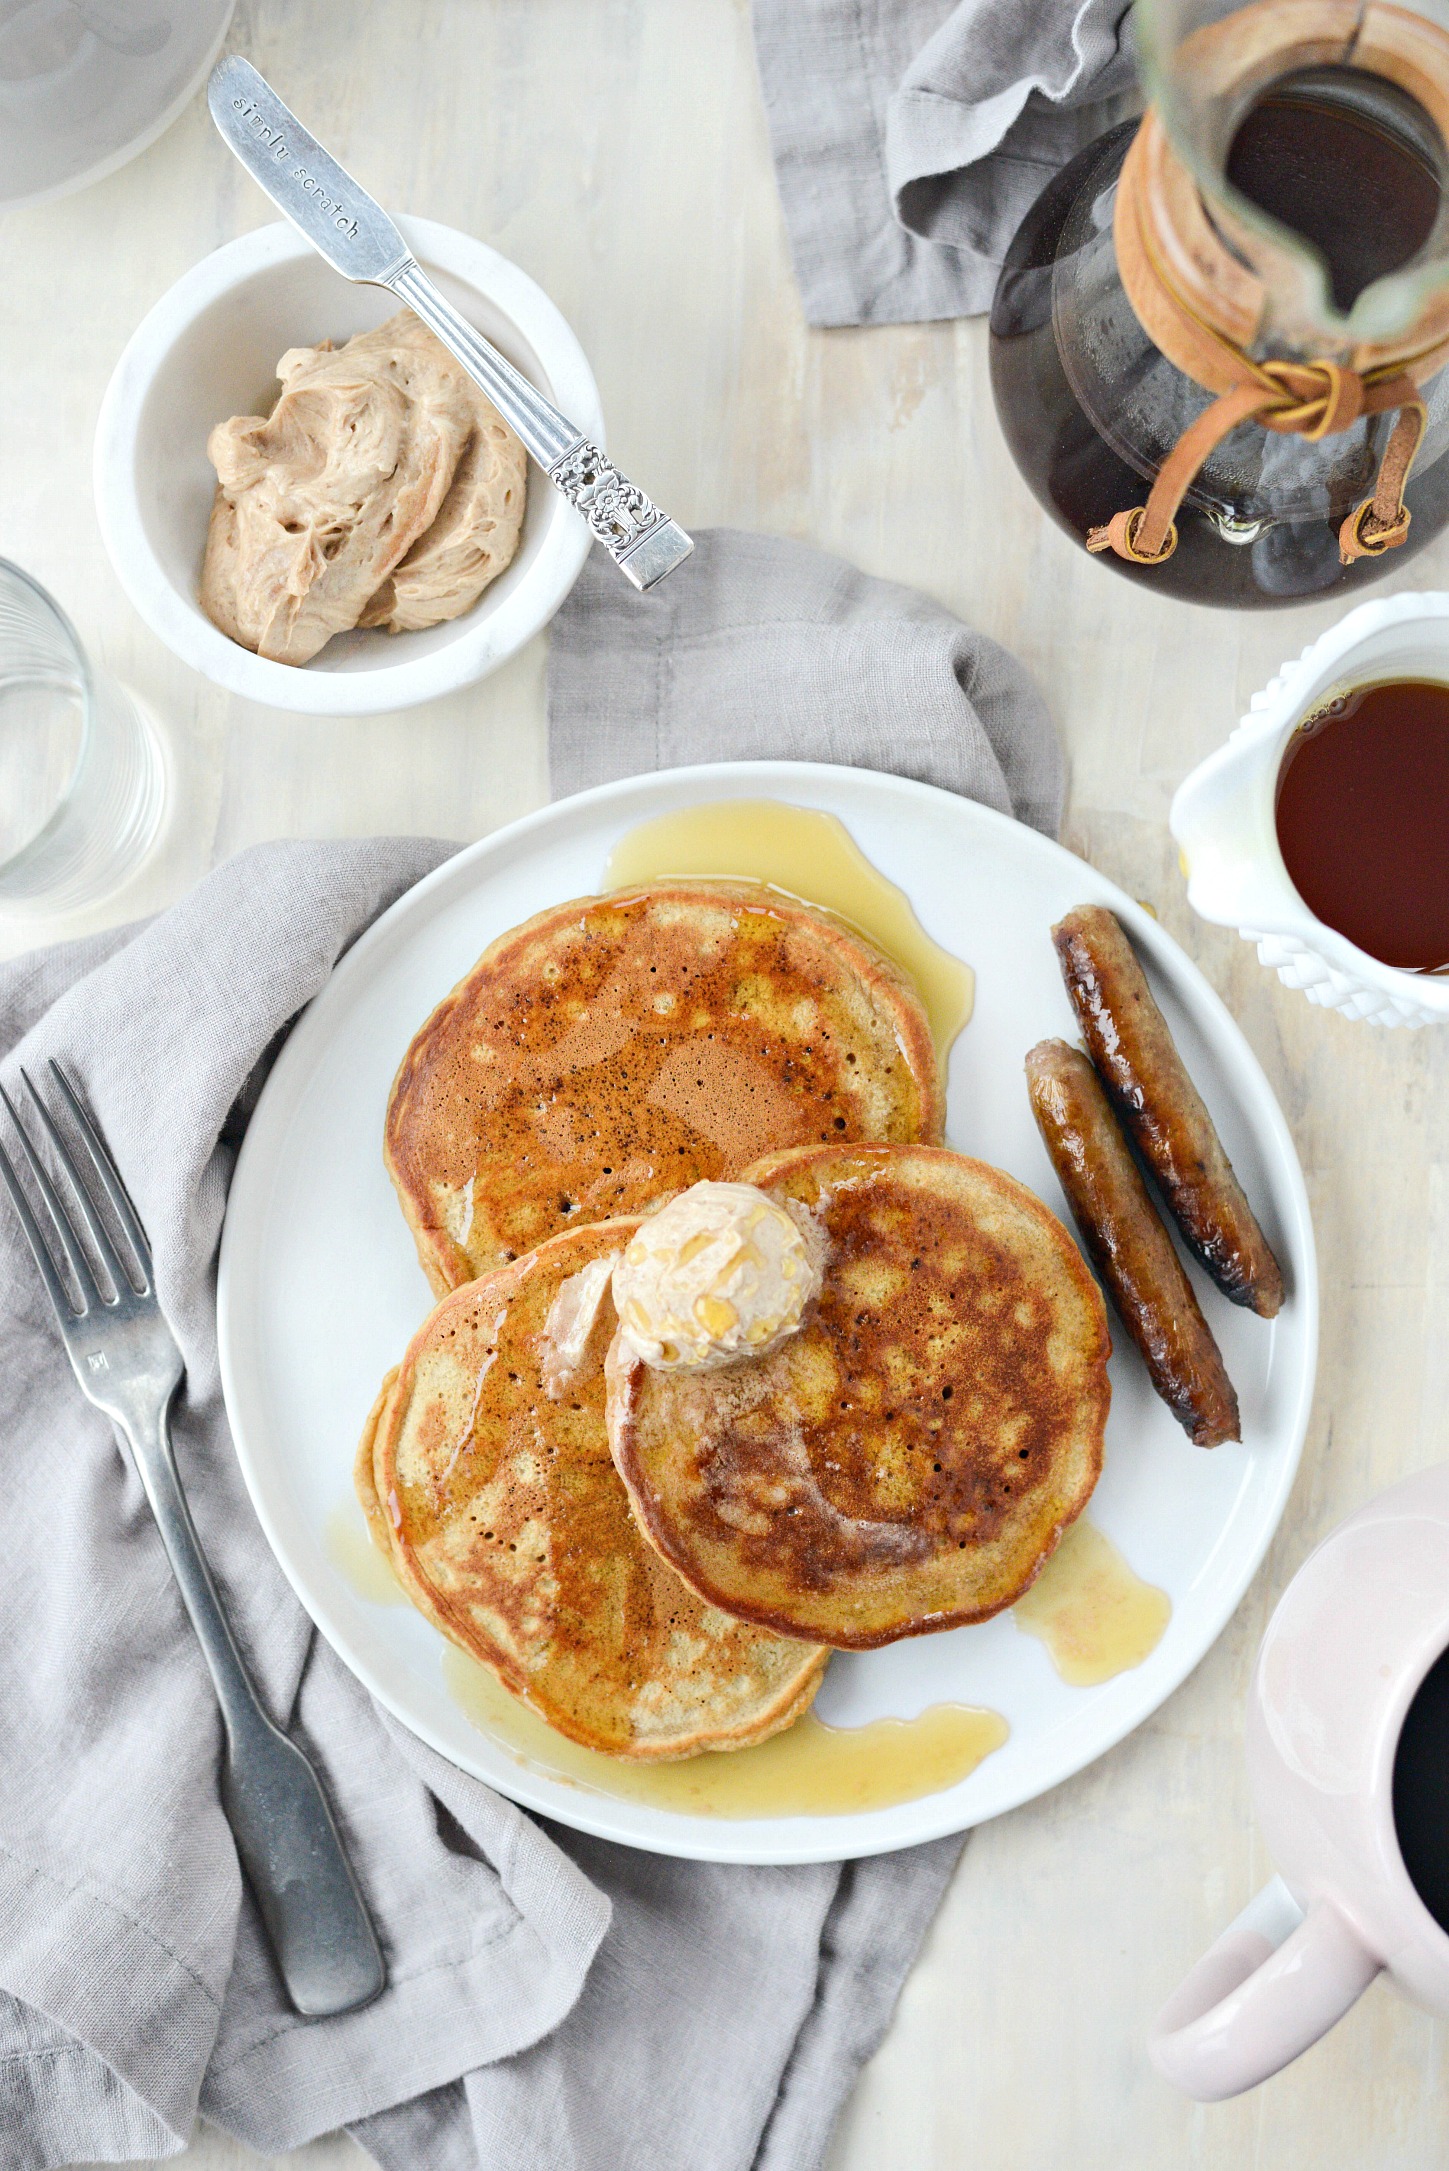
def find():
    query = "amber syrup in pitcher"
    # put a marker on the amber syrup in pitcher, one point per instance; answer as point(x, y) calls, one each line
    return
point(1363, 819)
point(1356, 166)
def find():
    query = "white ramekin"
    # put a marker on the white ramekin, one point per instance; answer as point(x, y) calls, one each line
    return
point(209, 349)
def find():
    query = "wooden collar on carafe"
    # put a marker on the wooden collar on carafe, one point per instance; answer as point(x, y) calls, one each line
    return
point(1203, 306)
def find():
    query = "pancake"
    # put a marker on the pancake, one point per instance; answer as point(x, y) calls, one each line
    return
point(616, 1049)
point(507, 1524)
point(909, 1458)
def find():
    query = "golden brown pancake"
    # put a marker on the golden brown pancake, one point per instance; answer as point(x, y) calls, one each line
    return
point(615, 1049)
point(507, 1524)
point(909, 1458)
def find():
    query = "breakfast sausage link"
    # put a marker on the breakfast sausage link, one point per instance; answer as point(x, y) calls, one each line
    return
point(1128, 1039)
point(1129, 1244)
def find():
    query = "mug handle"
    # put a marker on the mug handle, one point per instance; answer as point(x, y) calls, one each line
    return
point(1275, 1981)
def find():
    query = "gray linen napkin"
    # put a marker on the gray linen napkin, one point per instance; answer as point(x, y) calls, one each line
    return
point(555, 2003)
point(763, 649)
point(912, 136)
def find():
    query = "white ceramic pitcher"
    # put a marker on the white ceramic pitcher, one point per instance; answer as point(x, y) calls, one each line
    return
point(1351, 1641)
point(1223, 816)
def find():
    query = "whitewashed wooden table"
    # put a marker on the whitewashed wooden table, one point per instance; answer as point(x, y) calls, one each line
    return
point(616, 149)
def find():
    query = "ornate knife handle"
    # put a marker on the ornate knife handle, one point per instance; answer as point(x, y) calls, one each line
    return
point(642, 541)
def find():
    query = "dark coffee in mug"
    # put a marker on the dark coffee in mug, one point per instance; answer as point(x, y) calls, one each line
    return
point(1421, 1791)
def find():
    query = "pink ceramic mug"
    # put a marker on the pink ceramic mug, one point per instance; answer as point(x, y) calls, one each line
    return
point(1345, 1653)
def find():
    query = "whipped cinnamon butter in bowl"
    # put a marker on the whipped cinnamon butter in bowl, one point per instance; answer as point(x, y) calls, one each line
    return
point(207, 356)
point(383, 490)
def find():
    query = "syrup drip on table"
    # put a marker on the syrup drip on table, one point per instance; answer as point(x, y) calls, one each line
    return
point(812, 857)
point(1363, 819)
point(810, 1770)
point(1095, 1616)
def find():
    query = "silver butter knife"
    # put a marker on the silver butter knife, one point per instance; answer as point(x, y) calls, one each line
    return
point(357, 238)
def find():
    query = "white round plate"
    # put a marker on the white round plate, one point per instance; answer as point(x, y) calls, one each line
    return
point(321, 1290)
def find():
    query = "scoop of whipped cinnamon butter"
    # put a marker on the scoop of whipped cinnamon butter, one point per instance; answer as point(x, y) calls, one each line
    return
point(383, 489)
point(720, 1272)
point(717, 1273)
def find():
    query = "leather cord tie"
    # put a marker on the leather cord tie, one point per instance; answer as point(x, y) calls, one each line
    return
point(1311, 399)
point(1308, 399)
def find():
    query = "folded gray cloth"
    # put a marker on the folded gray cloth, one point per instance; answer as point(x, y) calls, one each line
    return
point(912, 136)
point(555, 2003)
point(761, 649)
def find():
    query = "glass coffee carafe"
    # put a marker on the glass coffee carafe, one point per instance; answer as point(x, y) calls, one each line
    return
point(1219, 339)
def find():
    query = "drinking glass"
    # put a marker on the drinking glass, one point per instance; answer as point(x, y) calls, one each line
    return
point(82, 775)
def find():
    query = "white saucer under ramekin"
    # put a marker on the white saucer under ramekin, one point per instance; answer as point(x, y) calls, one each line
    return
point(209, 349)
point(1223, 816)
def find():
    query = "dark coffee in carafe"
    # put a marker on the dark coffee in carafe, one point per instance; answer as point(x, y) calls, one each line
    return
point(1220, 337)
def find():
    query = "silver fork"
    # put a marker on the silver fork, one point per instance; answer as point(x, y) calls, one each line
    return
point(128, 1364)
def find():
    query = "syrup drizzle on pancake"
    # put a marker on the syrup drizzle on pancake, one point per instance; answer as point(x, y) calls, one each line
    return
point(1095, 1616)
point(365, 1566)
point(812, 857)
point(906, 1461)
point(612, 1050)
point(510, 1529)
point(810, 1770)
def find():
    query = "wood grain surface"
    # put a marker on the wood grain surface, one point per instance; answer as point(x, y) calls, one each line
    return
point(617, 150)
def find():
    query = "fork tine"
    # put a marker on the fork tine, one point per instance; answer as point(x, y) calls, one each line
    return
point(122, 1278)
point(59, 1294)
point(110, 1175)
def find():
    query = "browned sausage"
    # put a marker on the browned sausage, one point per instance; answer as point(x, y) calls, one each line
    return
point(1128, 1040)
point(1128, 1242)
